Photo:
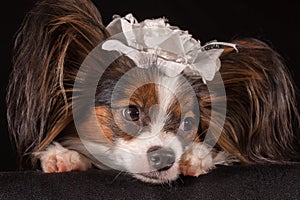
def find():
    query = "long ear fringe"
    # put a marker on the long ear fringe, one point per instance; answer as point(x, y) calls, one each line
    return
point(262, 122)
point(54, 39)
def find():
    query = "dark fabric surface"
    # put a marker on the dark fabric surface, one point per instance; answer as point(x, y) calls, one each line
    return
point(235, 182)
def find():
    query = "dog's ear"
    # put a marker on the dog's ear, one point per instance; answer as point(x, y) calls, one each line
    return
point(262, 120)
point(52, 42)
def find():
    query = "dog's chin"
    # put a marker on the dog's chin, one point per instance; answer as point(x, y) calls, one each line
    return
point(159, 177)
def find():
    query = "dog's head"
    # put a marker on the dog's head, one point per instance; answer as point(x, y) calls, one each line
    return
point(142, 120)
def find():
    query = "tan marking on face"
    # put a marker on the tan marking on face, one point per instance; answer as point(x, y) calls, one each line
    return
point(144, 96)
point(104, 117)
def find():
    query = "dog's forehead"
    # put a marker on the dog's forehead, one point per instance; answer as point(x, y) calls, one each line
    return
point(165, 93)
point(145, 96)
point(148, 87)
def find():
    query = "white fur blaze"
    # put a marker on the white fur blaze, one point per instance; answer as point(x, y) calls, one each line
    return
point(56, 158)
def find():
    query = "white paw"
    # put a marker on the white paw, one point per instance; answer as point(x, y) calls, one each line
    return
point(56, 158)
point(199, 159)
point(196, 160)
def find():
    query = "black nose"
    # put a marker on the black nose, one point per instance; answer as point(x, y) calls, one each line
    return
point(161, 158)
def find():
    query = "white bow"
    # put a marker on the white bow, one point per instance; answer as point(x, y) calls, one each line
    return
point(174, 50)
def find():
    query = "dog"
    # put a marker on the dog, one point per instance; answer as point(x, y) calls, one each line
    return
point(151, 121)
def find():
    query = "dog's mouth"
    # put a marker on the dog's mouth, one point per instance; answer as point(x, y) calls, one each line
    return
point(154, 177)
point(159, 177)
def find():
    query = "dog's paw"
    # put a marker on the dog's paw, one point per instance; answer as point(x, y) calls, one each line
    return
point(56, 158)
point(196, 160)
point(199, 159)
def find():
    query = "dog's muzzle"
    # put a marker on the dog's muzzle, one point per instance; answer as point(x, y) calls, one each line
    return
point(160, 159)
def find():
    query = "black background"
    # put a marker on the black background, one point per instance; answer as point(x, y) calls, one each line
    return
point(276, 23)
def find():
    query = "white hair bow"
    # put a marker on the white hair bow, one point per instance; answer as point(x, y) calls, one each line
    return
point(174, 50)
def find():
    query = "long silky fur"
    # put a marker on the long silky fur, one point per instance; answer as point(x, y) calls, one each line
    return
point(262, 120)
point(54, 39)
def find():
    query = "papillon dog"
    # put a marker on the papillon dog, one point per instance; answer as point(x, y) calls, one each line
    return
point(79, 97)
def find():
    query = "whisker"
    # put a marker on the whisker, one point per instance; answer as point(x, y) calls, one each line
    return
point(117, 176)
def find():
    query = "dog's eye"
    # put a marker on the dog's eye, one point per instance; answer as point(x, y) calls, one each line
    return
point(187, 124)
point(131, 113)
